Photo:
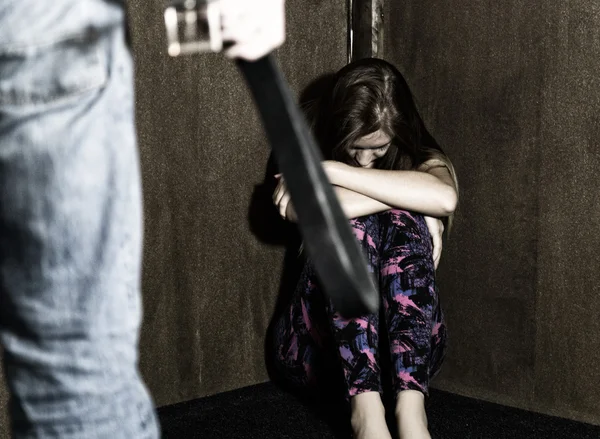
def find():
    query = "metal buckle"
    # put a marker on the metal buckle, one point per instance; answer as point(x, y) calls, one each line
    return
point(193, 26)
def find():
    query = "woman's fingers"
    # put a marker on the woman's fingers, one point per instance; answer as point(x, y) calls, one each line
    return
point(281, 197)
point(436, 230)
point(280, 189)
point(291, 213)
point(283, 203)
point(437, 251)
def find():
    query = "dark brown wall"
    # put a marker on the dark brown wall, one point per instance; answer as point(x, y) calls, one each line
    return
point(209, 283)
point(512, 92)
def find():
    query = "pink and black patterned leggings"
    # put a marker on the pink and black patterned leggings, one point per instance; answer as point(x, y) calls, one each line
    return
point(399, 250)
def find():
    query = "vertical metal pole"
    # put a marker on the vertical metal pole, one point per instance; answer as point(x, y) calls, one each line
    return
point(377, 28)
point(365, 28)
point(350, 40)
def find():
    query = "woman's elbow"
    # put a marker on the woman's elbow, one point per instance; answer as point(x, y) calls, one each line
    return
point(449, 200)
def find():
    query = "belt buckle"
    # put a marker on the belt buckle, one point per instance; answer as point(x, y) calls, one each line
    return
point(193, 26)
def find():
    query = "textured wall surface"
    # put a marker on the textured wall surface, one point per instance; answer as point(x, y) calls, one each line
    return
point(513, 94)
point(210, 284)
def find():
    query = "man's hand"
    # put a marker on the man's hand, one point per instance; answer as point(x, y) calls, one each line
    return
point(436, 229)
point(254, 27)
point(281, 199)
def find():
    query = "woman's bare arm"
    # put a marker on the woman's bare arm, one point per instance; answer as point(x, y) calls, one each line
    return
point(355, 204)
point(430, 193)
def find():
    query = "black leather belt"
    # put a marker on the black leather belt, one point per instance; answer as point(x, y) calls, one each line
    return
point(331, 245)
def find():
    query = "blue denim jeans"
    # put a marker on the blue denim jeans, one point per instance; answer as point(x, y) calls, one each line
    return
point(70, 223)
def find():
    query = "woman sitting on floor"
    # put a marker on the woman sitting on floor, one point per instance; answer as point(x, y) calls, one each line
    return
point(395, 183)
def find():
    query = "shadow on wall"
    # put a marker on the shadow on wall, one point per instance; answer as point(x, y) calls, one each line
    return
point(268, 226)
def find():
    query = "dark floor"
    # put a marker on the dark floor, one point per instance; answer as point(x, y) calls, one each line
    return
point(264, 412)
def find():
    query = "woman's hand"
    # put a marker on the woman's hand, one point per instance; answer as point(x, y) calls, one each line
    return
point(281, 196)
point(281, 199)
point(436, 229)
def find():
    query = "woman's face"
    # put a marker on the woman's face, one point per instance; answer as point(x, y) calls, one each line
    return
point(369, 148)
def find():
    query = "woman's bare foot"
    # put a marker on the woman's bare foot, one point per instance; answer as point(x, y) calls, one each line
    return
point(368, 417)
point(411, 416)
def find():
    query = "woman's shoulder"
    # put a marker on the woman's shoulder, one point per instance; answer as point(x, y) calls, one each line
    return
point(430, 164)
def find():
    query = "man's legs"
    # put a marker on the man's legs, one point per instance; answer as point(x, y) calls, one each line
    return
point(70, 223)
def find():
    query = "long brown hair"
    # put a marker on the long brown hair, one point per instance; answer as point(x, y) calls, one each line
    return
point(370, 95)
